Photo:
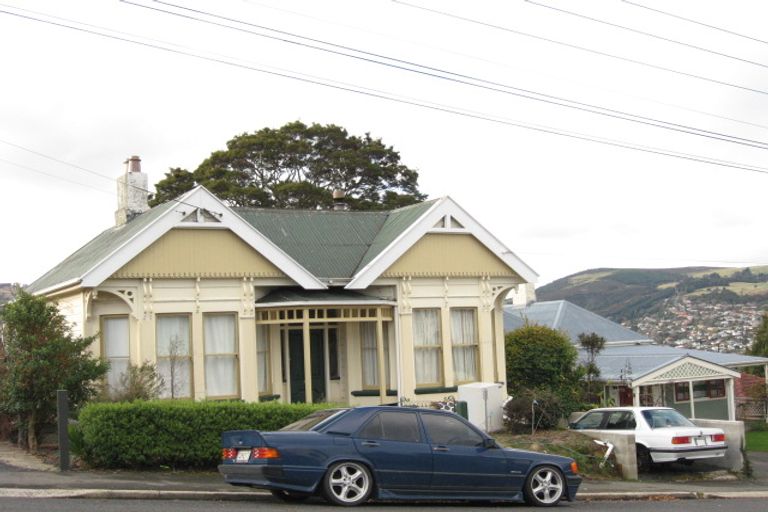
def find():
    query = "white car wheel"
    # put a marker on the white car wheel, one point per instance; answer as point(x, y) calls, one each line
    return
point(544, 487)
point(347, 484)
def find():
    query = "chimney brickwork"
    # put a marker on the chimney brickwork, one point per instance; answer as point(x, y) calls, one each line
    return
point(132, 192)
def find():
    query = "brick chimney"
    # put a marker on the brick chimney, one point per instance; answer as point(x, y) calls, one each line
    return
point(339, 200)
point(132, 192)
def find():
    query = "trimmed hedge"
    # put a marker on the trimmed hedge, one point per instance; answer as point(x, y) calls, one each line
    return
point(174, 434)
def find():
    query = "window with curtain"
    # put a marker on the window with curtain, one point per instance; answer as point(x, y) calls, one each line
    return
point(115, 339)
point(221, 366)
point(370, 354)
point(427, 346)
point(262, 356)
point(174, 355)
point(464, 344)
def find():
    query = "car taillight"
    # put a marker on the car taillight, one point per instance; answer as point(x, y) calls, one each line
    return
point(718, 438)
point(265, 453)
point(575, 468)
point(228, 453)
point(681, 440)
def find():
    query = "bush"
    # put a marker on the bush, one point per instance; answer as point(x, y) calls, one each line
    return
point(137, 383)
point(182, 434)
point(544, 408)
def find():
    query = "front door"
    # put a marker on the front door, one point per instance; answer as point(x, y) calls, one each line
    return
point(296, 354)
point(625, 396)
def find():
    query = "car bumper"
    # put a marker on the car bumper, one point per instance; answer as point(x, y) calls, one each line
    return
point(693, 453)
point(572, 482)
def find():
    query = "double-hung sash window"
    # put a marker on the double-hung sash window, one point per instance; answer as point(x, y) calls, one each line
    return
point(174, 357)
point(221, 364)
point(262, 357)
point(371, 355)
point(427, 346)
point(464, 344)
point(115, 341)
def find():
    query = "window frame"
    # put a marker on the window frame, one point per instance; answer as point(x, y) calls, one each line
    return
point(267, 355)
point(189, 357)
point(428, 348)
point(714, 390)
point(103, 344)
point(475, 346)
point(236, 355)
point(385, 342)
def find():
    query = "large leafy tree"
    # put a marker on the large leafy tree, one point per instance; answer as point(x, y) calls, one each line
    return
point(41, 355)
point(299, 166)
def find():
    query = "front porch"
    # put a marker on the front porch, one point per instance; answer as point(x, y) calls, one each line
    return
point(696, 388)
point(330, 347)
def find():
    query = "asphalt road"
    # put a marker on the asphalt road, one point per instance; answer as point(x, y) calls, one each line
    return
point(269, 505)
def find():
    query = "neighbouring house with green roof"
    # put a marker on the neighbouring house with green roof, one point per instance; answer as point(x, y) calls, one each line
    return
point(297, 306)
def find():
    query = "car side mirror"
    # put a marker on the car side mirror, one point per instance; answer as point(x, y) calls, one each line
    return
point(572, 425)
point(489, 443)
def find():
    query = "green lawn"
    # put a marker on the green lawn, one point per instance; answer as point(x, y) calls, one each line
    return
point(757, 441)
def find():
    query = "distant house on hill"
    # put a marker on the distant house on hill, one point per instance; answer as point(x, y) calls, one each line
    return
point(636, 371)
point(356, 307)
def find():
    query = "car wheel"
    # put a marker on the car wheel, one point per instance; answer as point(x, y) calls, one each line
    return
point(544, 487)
point(644, 461)
point(347, 484)
point(289, 496)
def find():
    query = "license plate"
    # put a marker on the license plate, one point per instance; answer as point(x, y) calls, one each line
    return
point(700, 441)
point(243, 456)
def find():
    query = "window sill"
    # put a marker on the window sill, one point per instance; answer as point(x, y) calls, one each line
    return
point(437, 389)
point(372, 392)
point(268, 398)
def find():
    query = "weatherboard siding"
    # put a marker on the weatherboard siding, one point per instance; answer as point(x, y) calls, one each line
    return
point(208, 253)
point(453, 255)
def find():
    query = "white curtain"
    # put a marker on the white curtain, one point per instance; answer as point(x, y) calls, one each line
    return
point(464, 340)
point(174, 362)
point(116, 348)
point(221, 374)
point(262, 349)
point(427, 343)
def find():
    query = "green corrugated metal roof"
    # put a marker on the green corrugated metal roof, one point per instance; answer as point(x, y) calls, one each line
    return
point(94, 252)
point(329, 244)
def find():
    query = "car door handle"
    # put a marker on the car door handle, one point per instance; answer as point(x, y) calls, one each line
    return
point(440, 448)
point(370, 444)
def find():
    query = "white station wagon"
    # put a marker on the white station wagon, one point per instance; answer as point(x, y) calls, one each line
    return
point(661, 434)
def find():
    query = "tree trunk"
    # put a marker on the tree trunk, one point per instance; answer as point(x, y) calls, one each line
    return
point(32, 432)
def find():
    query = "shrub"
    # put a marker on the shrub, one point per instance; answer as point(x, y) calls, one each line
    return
point(172, 433)
point(540, 409)
point(137, 383)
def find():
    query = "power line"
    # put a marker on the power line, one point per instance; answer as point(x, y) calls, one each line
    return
point(454, 77)
point(504, 65)
point(689, 20)
point(648, 34)
point(580, 48)
point(433, 107)
point(78, 167)
point(38, 171)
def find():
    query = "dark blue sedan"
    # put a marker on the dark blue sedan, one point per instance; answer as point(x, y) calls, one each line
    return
point(391, 453)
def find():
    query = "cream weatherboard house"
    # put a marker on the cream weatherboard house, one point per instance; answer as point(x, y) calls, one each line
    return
point(289, 305)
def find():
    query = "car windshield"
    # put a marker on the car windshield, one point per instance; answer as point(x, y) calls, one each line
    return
point(312, 420)
point(663, 418)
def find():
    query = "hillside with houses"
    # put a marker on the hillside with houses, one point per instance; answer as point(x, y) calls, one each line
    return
point(714, 309)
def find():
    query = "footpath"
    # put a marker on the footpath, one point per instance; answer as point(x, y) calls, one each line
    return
point(26, 476)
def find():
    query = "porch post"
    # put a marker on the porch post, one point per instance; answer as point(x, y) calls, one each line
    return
point(636, 396)
point(731, 399)
point(380, 357)
point(690, 398)
point(307, 357)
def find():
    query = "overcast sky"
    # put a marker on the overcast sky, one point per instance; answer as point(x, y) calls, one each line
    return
point(172, 90)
